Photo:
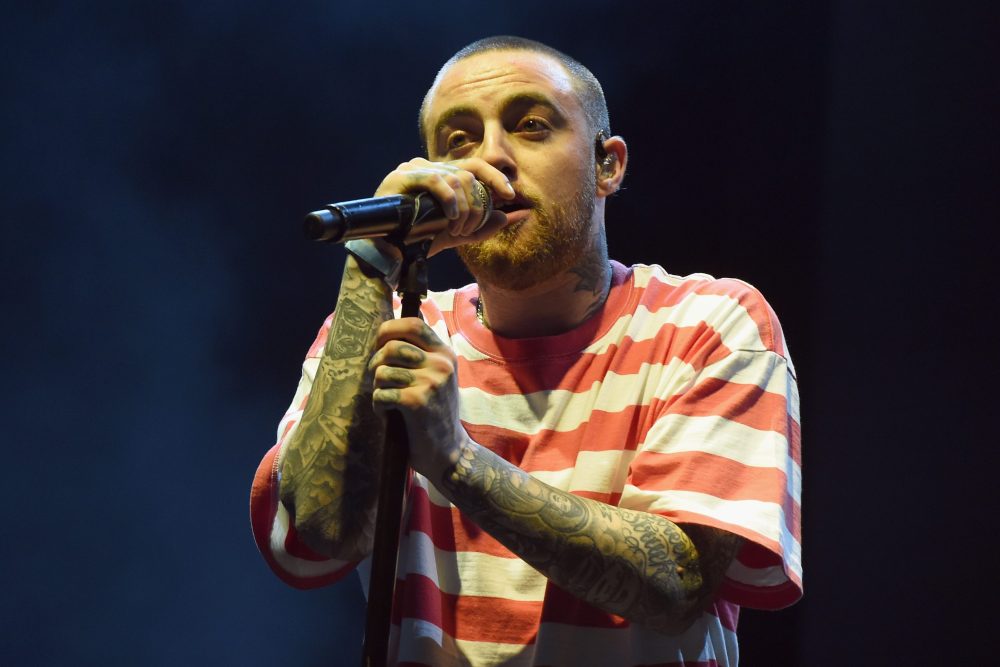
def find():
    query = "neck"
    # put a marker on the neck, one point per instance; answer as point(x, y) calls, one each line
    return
point(554, 306)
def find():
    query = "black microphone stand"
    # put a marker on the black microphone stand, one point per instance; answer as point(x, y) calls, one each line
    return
point(392, 481)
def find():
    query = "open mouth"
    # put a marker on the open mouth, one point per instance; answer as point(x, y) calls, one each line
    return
point(511, 205)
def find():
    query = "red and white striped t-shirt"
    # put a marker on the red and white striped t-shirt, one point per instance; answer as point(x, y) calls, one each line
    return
point(678, 398)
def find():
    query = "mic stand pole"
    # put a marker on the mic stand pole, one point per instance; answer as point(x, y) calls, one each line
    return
point(392, 482)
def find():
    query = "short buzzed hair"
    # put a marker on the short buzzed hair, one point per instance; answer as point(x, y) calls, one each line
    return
point(586, 85)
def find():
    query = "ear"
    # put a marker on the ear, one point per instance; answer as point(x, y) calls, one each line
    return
point(611, 166)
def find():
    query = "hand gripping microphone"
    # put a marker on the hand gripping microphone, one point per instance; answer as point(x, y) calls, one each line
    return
point(409, 218)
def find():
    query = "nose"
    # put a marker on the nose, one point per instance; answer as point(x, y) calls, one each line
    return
point(496, 150)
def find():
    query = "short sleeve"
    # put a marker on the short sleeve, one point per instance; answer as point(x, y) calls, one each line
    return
point(291, 560)
point(723, 448)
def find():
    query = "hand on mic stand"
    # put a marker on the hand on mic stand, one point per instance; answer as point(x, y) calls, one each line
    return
point(418, 203)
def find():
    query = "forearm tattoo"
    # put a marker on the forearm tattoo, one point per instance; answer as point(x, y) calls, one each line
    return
point(329, 479)
point(634, 564)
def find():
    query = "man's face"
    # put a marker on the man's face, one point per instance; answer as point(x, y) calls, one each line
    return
point(518, 111)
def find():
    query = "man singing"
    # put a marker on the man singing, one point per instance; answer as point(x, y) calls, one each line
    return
point(605, 459)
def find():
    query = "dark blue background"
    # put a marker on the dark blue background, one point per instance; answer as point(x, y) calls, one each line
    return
point(159, 297)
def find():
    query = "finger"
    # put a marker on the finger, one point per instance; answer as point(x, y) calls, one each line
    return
point(398, 353)
point(493, 178)
point(478, 198)
point(401, 179)
point(395, 398)
point(387, 399)
point(432, 179)
point(413, 330)
point(388, 377)
point(496, 221)
point(443, 188)
point(453, 185)
point(463, 203)
point(482, 206)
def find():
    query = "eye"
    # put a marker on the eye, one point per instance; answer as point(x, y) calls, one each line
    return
point(456, 140)
point(533, 126)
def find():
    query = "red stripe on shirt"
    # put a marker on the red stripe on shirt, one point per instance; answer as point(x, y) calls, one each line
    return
point(449, 529)
point(697, 346)
point(557, 450)
point(745, 404)
point(466, 617)
point(701, 472)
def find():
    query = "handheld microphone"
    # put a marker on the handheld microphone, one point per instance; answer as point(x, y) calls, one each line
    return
point(410, 218)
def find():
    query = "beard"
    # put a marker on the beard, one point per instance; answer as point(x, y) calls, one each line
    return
point(521, 255)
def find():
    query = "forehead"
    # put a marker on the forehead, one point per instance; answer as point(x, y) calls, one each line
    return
point(487, 78)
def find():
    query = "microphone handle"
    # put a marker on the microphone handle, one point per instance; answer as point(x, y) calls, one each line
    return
point(418, 216)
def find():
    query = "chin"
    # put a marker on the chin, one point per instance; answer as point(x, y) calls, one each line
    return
point(512, 260)
point(534, 247)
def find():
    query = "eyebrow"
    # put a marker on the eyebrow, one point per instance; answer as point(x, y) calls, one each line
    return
point(520, 99)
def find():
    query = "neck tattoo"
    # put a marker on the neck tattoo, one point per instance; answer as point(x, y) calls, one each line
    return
point(594, 307)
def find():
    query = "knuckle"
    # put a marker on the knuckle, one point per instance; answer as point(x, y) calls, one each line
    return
point(442, 365)
point(408, 400)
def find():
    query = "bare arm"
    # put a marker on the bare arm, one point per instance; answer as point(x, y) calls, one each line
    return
point(634, 564)
point(329, 470)
point(329, 477)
